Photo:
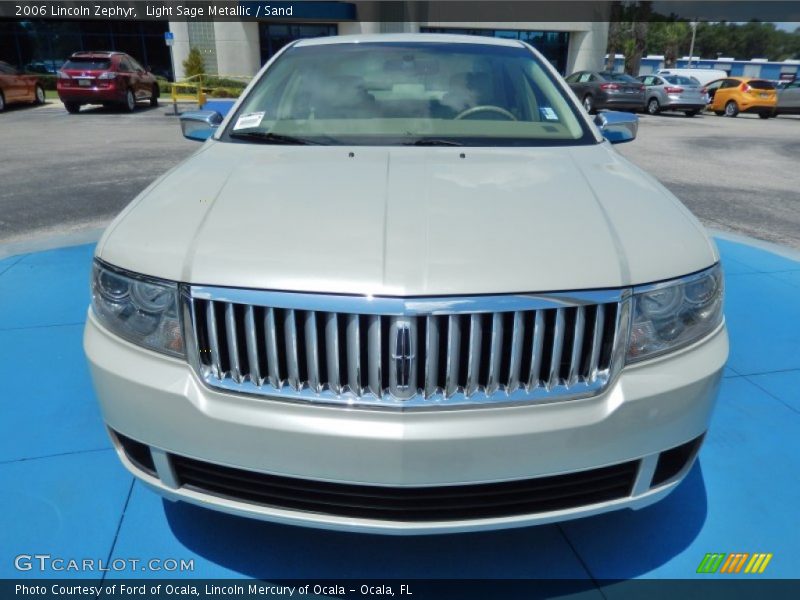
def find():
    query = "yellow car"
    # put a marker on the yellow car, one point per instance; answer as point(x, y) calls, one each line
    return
point(733, 95)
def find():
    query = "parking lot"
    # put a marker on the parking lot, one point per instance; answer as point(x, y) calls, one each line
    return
point(64, 173)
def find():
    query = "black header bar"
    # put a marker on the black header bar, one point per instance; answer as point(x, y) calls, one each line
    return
point(470, 11)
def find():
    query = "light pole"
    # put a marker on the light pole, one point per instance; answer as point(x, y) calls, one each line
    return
point(693, 25)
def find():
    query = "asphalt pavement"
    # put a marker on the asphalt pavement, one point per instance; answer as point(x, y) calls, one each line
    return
point(64, 173)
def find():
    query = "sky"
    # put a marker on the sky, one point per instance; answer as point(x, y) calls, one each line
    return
point(787, 26)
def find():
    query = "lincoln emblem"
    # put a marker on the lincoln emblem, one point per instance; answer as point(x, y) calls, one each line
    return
point(402, 355)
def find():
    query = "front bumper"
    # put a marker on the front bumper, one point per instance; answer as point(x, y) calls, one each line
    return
point(158, 401)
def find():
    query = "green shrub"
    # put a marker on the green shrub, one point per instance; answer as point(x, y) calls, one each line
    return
point(222, 92)
point(194, 65)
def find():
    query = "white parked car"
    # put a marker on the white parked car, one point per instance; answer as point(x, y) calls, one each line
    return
point(407, 286)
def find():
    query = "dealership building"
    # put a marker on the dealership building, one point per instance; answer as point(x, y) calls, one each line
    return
point(241, 47)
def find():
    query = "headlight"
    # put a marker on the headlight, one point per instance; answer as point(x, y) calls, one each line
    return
point(669, 315)
point(140, 309)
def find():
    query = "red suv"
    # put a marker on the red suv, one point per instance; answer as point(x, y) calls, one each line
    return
point(107, 78)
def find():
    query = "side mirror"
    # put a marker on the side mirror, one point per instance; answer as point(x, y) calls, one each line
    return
point(617, 127)
point(200, 125)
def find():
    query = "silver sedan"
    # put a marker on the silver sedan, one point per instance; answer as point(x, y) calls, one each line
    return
point(673, 92)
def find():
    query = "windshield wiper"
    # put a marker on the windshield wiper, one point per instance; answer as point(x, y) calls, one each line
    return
point(267, 137)
point(432, 142)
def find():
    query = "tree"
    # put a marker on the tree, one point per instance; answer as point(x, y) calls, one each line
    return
point(194, 64)
point(670, 38)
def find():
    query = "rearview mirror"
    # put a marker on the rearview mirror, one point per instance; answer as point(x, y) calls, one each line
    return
point(617, 127)
point(200, 125)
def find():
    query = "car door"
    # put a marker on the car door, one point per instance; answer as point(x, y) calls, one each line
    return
point(724, 93)
point(127, 73)
point(711, 89)
point(574, 82)
point(653, 88)
point(143, 84)
point(789, 98)
point(10, 83)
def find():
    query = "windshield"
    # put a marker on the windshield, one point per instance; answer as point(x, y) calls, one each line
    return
point(405, 93)
point(623, 77)
point(678, 80)
point(87, 64)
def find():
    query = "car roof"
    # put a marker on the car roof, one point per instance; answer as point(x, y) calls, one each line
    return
point(441, 38)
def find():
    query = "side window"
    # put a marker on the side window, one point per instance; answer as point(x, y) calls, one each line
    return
point(573, 78)
point(135, 65)
point(593, 77)
point(6, 69)
point(124, 65)
point(585, 77)
point(728, 83)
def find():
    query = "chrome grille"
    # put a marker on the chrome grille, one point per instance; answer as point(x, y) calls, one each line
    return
point(404, 353)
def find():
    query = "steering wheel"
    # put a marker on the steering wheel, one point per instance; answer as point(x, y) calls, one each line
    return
point(485, 108)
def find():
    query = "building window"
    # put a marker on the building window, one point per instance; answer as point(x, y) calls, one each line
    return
point(43, 46)
point(554, 45)
point(201, 36)
point(274, 36)
point(752, 71)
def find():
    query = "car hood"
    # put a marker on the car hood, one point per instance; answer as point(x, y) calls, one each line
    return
point(407, 221)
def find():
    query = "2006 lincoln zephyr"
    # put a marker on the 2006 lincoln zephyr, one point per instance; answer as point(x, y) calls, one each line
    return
point(407, 286)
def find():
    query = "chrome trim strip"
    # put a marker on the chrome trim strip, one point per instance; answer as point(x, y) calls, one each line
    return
point(381, 305)
point(292, 360)
point(271, 335)
point(251, 339)
point(374, 358)
point(233, 343)
point(495, 353)
point(577, 346)
point(431, 356)
point(594, 359)
point(332, 351)
point(453, 355)
point(213, 340)
point(474, 353)
point(312, 351)
point(354, 355)
point(558, 345)
point(537, 351)
point(515, 363)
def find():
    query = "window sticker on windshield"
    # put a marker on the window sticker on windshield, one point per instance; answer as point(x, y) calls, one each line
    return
point(548, 113)
point(249, 120)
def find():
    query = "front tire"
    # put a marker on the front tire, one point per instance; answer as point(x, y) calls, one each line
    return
point(130, 102)
point(39, 95)
point(2, 102)
point(731, 109)
point(588, 104)
point(154, 95)
point(653, 107)
point(72, 107)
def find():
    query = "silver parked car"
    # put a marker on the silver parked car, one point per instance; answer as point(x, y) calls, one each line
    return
point(407, 286)
point(788, 102)
point(673, 92)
